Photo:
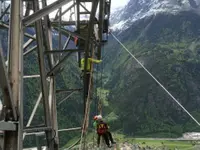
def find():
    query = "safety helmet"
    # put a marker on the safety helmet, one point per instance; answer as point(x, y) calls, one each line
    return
point(95, 117)
point(99, 117)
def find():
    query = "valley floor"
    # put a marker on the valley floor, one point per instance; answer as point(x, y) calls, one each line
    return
point(128, 143)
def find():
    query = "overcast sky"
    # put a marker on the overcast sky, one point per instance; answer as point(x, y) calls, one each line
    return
point(114, 4)
point(118, 3)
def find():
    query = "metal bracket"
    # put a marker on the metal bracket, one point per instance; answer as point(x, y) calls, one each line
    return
point(8, 126)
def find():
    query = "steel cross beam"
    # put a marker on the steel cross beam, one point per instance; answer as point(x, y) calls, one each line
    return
point(56, 23)
point(68, 96)
point(85, 8)
point(44, 46)
point(4, 12)
point(45, 11)
point(60, 130)
point(30, 50)
point(33, 112)
point(63, 51)
point(64, 12)
point(70, 129)
point(67, 42)
point(26, 34)
point(66, 32)
point(57, 66)
point(28, 43)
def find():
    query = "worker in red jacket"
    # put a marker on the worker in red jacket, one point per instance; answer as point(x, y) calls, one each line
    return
point(102, 130)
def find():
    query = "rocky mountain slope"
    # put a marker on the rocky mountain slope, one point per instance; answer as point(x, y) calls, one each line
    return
point(138, 9)
point(168, 46)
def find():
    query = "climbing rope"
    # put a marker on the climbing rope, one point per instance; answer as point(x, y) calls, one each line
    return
point(87, 111)
point(96, 91)
point(98, 102)
point(156, 80)
point(101, 87)
point(86, 117)
point(74, 144)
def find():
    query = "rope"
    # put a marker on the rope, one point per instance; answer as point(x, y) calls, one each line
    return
point(74, 144)
point(87, 110)
point(101, 80)
point(157, 81)
point(86, 117)
point(96, 92)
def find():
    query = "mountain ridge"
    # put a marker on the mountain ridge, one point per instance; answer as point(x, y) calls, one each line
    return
point(168, 46)
point(139, 9)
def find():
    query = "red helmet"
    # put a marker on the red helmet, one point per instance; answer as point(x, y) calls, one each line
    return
point(95, 117)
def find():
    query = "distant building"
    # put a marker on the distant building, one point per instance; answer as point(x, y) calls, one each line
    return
point(192, 135)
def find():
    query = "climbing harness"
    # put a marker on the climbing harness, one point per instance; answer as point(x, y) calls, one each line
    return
point(101, 128)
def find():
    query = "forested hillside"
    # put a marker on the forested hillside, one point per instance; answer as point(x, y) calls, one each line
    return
point(168, 46)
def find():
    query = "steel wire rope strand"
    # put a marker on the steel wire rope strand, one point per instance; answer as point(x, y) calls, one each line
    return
point(156, 80)
point(74, 144)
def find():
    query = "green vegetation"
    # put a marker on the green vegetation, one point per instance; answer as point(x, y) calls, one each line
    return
point(164, 143)
point(134, 105)
point(141, 142)
point(156, 143)
point(102, 94)
point(169, 49)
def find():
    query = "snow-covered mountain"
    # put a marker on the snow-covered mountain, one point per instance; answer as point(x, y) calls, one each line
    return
point(138, 9)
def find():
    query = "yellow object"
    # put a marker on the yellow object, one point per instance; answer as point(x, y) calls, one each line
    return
point(90, 60)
